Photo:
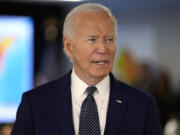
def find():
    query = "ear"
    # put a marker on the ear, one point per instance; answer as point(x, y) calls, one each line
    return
point(68, 46)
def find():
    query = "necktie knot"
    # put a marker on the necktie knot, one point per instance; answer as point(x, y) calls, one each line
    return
point(90, 90)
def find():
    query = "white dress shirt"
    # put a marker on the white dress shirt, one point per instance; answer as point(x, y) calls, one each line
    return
point(78, 91)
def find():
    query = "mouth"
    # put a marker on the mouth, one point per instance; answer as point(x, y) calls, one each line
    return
point(100, 62)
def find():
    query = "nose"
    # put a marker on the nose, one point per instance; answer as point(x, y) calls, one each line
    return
point(102, 48)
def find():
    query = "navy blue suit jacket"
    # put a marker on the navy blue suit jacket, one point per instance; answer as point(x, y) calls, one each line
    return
point(47, 110)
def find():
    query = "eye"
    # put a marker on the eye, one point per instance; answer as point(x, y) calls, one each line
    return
point(109, 39)
point(91, 40)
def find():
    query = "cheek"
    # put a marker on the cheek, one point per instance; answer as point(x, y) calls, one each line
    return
point(112, 52)
point(83, 56)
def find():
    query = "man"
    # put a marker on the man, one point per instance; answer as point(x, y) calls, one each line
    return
point(88, 100)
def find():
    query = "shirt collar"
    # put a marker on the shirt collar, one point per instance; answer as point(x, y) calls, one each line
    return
point(78, 87)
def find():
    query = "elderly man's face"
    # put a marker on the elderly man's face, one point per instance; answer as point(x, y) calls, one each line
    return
point(92, 47)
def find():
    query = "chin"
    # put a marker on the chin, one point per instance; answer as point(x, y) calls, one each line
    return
point(100, 74)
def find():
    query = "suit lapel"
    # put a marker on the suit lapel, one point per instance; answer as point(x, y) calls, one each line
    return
point(116, 109)
point(64, 107)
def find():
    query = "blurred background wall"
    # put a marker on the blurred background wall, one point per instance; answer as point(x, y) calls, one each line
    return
point(147, 54)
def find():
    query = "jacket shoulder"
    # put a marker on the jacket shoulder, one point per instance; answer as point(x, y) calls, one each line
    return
point(131, 93)
point(49, 87)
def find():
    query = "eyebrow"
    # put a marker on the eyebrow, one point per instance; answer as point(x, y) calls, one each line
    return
point(110, 36)
point(96, 36)
point(93, 36)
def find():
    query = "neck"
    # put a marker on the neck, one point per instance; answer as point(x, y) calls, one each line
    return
point(89, 80)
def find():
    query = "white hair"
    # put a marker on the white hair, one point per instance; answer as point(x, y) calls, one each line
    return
point(88, 7)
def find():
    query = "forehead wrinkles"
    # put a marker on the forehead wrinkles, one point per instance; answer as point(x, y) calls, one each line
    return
point(94, 21)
